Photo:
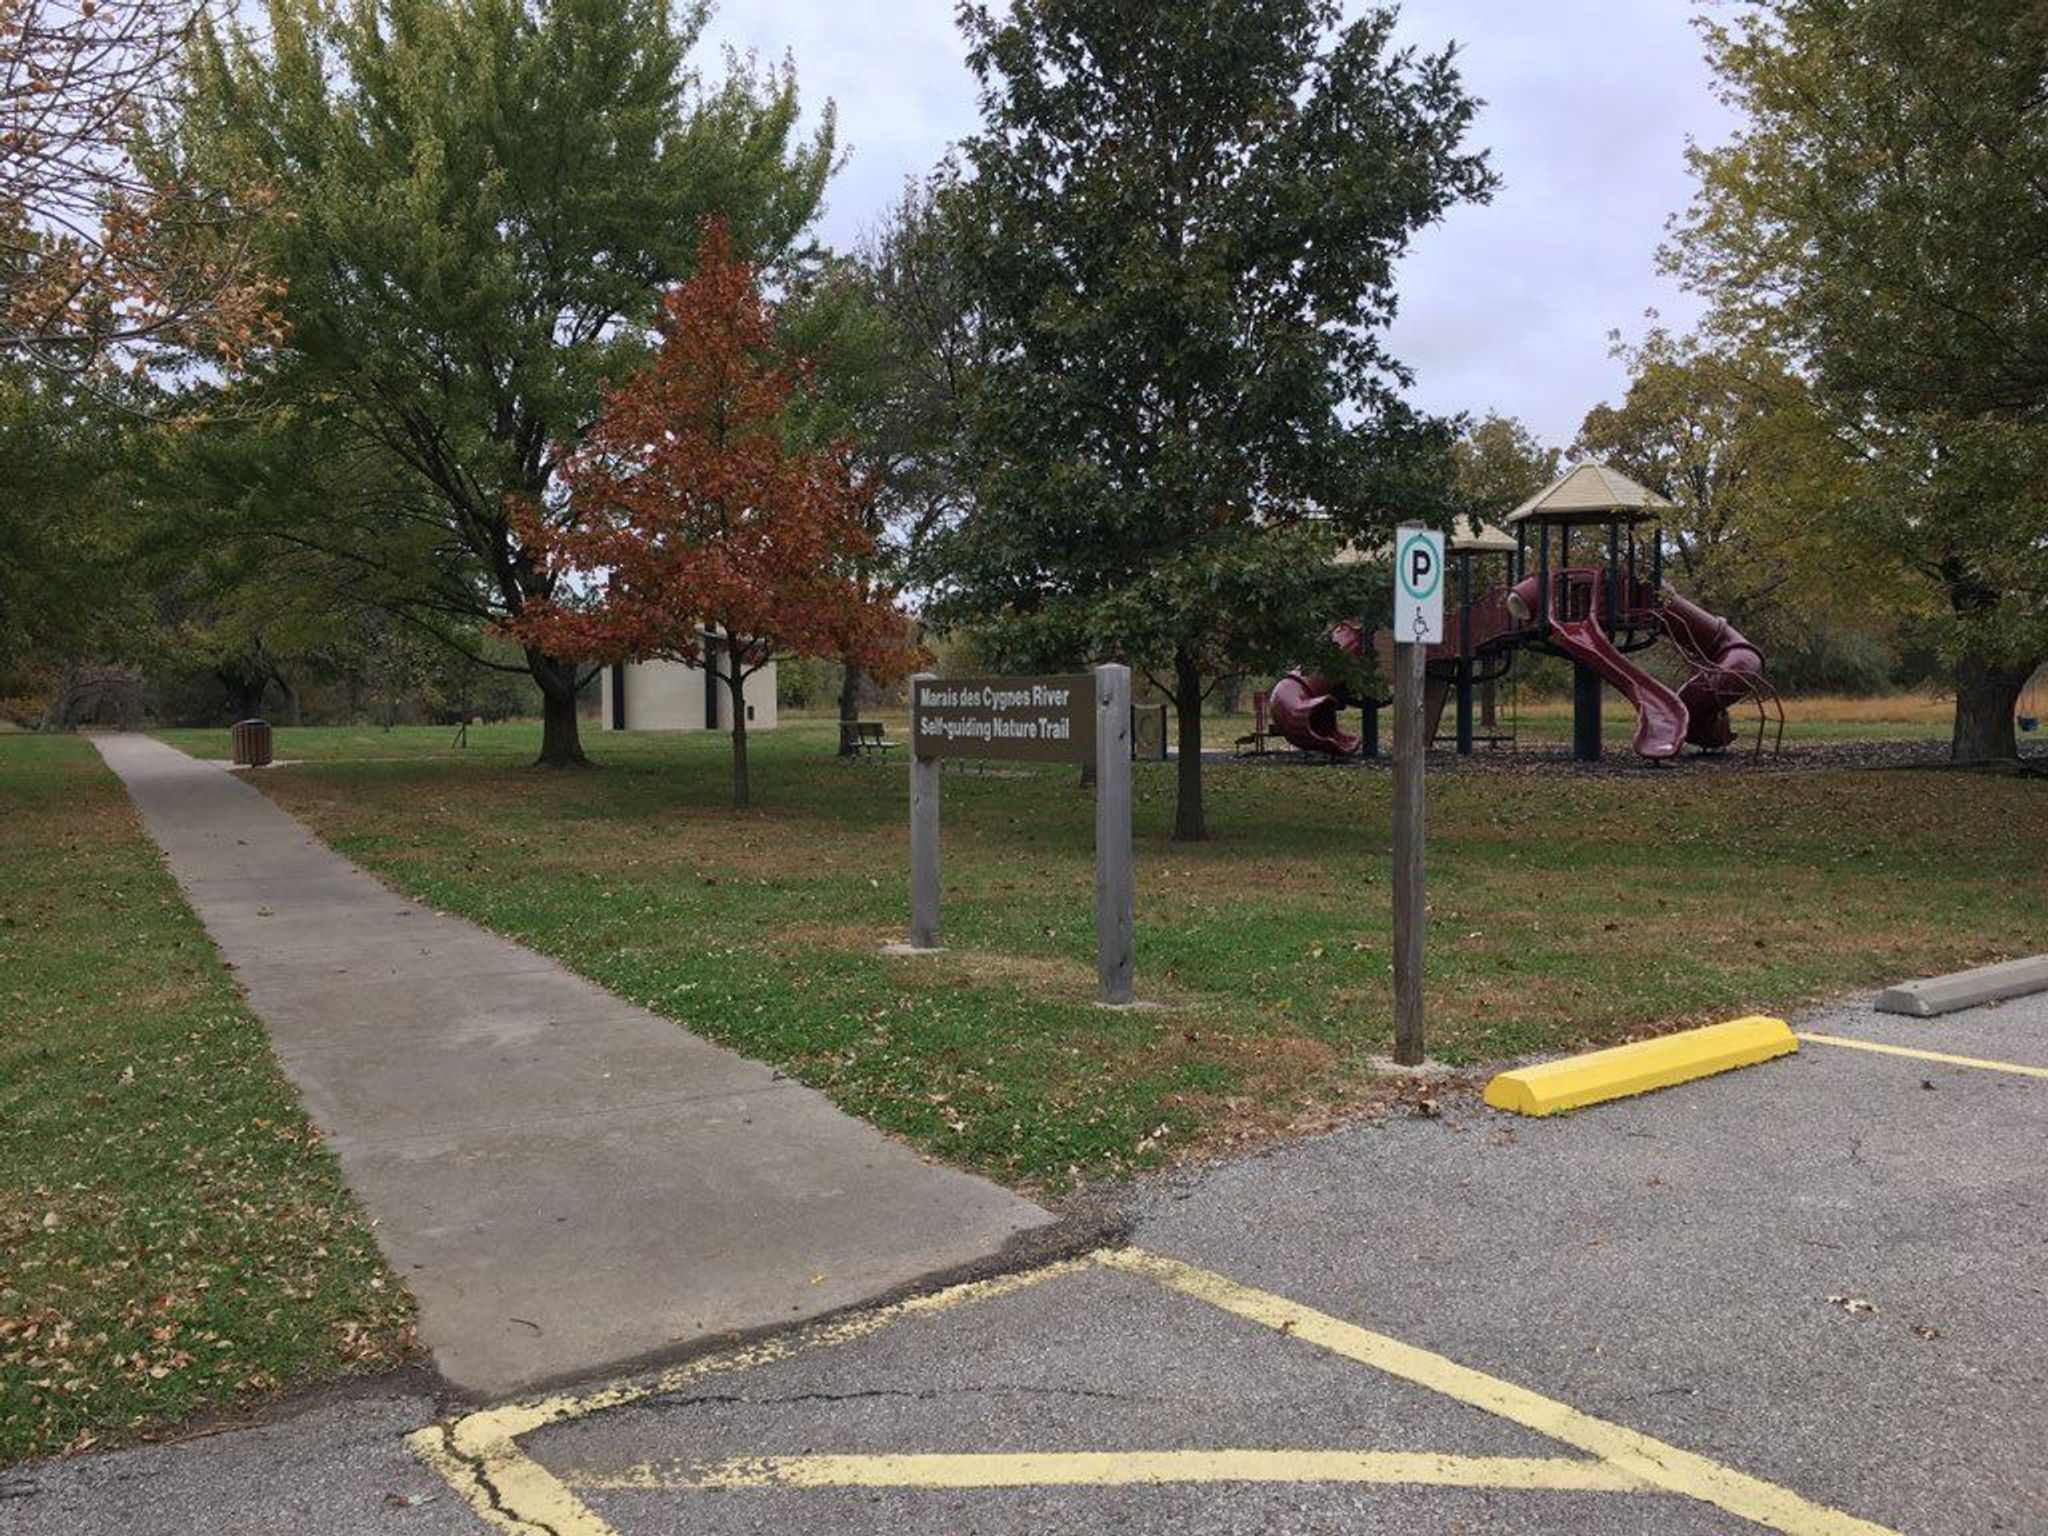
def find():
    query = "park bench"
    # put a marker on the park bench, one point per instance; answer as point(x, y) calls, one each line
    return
point(863, 738)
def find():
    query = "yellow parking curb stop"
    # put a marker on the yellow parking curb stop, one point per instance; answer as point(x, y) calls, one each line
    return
point(1623, 1070)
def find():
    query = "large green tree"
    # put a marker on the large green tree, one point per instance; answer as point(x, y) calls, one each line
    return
point(1754, 472)
point(1178, 231)
point(1500, 464)
point(898, 350)
point(1758, 479)
point(1879, 223)
point(483, 200)
point(68, 604)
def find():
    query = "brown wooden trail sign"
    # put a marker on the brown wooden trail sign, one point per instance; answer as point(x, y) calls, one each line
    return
point(1065, 719)
point(1018, 719)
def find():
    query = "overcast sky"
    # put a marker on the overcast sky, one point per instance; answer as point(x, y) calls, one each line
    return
point(1506, 307)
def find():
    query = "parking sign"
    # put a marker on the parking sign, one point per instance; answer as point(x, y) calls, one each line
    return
point(1418, 586)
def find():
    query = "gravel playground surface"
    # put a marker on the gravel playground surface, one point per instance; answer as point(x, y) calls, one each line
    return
point(1555, 761)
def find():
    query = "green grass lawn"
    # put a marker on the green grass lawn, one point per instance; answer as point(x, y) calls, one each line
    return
point(1564, 911)
point(173, 1236)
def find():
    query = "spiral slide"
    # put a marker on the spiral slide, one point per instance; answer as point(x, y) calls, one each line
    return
point(1306, 707)
point(1727, 668)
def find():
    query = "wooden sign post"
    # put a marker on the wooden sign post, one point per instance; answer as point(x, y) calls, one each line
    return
point(924, 840)
point(1115, 889)
point(1075, 719)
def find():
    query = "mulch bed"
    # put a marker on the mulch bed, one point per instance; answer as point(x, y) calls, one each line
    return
point(1556, 761)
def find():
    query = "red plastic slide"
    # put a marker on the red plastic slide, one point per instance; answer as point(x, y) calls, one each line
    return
point(1661, 715)
point(1305, 712)
point(1305, 707)
point(1727, 668)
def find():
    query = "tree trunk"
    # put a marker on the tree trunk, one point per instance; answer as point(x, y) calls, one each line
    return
point(1987, 697)
point(561, 739)
point(245, 692)
point(736, 688)
point(62, 703)
point(1189, 823)
point(849, 709)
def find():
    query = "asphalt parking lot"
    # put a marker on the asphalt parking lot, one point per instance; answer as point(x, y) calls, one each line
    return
point(1810, 1296)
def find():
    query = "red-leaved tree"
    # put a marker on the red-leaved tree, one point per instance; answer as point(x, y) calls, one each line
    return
point(701, 531)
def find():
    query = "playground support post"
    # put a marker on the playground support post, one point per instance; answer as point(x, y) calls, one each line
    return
point(1411, 742)
point(1613, 577)
point(1585, 713)
point(1464, 653)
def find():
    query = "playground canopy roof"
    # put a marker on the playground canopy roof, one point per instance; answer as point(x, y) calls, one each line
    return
point(1468, 536)
point(1590, 493)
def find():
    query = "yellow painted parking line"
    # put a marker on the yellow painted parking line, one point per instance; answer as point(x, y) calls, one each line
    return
point(1117, 1469)
point(1946, 1060)
point(479, 1454)
point(481, 1459)
point(1662, 1466)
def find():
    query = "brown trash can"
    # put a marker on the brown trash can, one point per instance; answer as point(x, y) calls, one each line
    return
point(252, 743)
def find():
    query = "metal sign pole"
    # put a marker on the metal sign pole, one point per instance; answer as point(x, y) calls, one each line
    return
point(1418, 619)
point(1408, 838)
point(1114, 883)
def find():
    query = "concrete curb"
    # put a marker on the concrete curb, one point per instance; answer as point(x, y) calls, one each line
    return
point(1966, 989)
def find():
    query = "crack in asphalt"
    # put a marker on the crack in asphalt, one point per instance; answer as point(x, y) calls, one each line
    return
point(656, 1405)
point(916, 1394)
point(480, 1469)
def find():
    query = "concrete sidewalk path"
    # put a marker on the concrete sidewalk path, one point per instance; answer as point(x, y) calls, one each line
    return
point(566, 1181)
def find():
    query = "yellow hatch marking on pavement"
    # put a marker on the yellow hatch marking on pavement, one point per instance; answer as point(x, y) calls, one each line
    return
point(1662, 1466)
point(1903, 1050)
point(1115, 1469)
point(480, 1457)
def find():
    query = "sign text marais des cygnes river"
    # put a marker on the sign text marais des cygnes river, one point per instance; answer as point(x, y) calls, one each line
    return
point(1031, 719)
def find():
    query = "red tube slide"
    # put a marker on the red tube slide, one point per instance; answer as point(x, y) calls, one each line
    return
point(1727, 668)
point(1305, 708)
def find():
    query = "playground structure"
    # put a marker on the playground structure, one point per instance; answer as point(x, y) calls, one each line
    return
point(1577, 579)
